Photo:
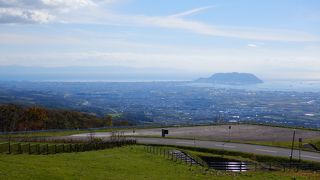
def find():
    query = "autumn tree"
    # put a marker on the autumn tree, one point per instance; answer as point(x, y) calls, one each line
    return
point(10, 115)
point(108, 120)
point(34, 118)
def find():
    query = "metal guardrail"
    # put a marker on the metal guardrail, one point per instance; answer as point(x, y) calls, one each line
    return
point(174, 155)
point(197, 159)
point(231, 166)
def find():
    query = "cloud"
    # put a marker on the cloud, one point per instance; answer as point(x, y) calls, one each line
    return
point(67, 3)
point(225, 31)
point(37, 11)
point(180, 22)
point(46, 4)
point(9, 15)
point(191, 12)
point(252, 45)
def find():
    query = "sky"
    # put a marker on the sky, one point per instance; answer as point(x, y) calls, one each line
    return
point(273, 39)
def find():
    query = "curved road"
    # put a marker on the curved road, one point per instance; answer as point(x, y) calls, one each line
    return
point(249, 148)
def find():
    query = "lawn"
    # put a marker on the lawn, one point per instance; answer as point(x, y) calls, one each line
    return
point(130, 162)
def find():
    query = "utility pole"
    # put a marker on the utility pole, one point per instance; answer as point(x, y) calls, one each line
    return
point(294, 134)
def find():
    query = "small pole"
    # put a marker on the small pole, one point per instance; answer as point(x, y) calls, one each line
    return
point(294, 134)
point(19, 148)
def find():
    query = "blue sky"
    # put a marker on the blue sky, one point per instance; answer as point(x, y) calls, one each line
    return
point(273, 39)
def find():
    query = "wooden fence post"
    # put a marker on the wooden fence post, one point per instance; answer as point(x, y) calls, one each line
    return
point(19, 148)
point(9, 148)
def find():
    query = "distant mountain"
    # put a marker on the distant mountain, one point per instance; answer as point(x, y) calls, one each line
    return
point(231, 79)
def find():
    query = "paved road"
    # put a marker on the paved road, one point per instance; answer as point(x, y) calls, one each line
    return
point(257, 149)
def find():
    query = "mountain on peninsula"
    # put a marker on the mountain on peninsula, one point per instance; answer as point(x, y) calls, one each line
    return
point(233, 78)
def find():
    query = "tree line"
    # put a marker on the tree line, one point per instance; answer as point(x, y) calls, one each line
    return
point(21, 118)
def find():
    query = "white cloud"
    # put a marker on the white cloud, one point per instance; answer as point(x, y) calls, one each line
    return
point(37, 11)
point(45, 4)
point(67, 3)
point(179, 22)
point(8, 15)
point(229, 32)
point(252, 45)
point(191, 12)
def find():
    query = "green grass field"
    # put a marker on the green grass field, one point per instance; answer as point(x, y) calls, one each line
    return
point(130, 162)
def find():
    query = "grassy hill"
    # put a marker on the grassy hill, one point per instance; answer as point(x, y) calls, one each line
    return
point(119, 163)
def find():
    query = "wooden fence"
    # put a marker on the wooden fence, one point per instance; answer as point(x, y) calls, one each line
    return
point(51, 148)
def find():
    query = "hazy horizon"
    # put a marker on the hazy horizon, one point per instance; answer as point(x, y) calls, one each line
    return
point(108, 74)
